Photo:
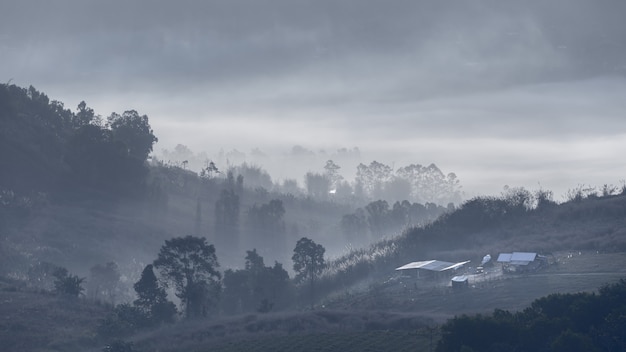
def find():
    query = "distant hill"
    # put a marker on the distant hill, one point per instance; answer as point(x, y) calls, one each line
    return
point(518, 221)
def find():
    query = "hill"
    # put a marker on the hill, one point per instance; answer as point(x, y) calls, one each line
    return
point(79, 193)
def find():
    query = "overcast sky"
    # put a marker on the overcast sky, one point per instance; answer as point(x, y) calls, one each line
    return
point(520, 93)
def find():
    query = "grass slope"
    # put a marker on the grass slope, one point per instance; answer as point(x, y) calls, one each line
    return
point(32, 321)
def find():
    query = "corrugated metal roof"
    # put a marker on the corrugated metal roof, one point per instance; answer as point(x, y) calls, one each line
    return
point(504, 257)
point(523, 257)
point(415, 265)
point(432, 265)
point(517, 258)
point(461, 278)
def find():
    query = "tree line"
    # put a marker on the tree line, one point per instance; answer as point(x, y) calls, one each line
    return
point(188, 268)
point(559, 322)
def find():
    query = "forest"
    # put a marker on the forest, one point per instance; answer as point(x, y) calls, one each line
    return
point(91, 215)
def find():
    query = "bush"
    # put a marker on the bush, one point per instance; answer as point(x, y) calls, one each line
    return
point(124, 320)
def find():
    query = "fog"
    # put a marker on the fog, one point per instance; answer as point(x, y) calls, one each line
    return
point(499, 92)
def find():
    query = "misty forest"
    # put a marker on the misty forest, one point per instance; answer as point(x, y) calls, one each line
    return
point(192, 221)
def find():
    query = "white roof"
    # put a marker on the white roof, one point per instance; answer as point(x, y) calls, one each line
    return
point(517, 258)
point(504, 257)
point(461, 278)
point(432, 265)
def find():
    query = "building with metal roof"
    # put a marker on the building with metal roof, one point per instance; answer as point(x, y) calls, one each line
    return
point(517, 258)
point(520, 261)
point(433, 266)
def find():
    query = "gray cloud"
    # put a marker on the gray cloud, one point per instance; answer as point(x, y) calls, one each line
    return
point(473, 85)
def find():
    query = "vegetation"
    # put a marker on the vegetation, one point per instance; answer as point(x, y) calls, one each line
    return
point(190, 265)
point(308, 262)
point(558, 322)
point(82, 191)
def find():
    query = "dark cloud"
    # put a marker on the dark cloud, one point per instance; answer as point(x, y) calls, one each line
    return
point(439, 80)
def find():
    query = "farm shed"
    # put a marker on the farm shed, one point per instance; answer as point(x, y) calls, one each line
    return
point(459, 282)
point(520, 261)
point(432, 267)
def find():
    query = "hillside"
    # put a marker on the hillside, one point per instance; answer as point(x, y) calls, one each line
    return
point(79, 193)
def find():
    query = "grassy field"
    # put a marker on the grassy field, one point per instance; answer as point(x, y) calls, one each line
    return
point(572, 272)
point(33, 321)
point(355, 341)
point(386, 318)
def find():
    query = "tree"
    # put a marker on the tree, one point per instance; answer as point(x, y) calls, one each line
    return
point(308, 262)
point(152, 298)
point(332, 172)
point(267, 221)
point(378, 217)
point(317, 185)
point(354, 226)
point(98, 160)
point(256, 288)
point(373, 178)
point(69, 285)
point(190, 264)
point(227, 219)
point(85, 116)
point(134, 131)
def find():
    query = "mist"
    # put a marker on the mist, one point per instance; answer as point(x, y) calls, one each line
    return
point(499, 93)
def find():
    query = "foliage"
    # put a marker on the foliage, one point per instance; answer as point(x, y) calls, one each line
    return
point(268, 225)
point(124, 320)
point(255, 176)
point(317, 185)
point(379, 219)
point(134, 131)
point(190, 264)
point(257, 287)
point(308, 262)
point(152, 298)
point(68, 285)
point(558, 322)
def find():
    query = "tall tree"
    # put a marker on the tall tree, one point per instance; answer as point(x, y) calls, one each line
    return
point(190, 264)
point(308, 262)
point(152, 298)
point(227, 220)
point(332, 172)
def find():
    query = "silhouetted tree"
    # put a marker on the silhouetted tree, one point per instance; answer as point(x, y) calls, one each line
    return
point(152, 298)
point(255, 288)
point(66, 284)
point(308, 262)
point(134, 131)
point(190, 264)
point(85, 116)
